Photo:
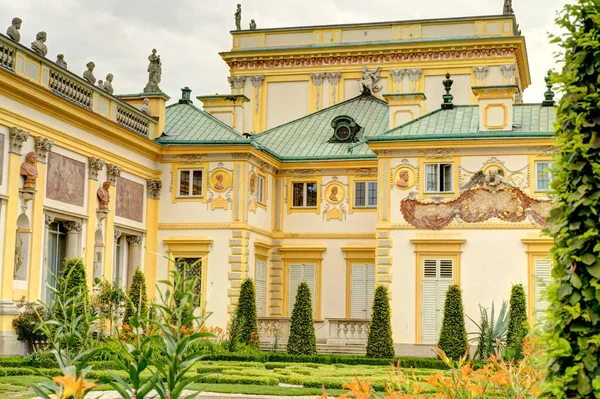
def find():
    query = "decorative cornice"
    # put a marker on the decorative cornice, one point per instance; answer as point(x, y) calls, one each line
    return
point(543, 151)
point(332, 236)
point(95, 165)
point(438, 153)
point(153, 188)
point(299, 172)
point(16, 139)
point(112, 172)
point(42, 147)
point(501, 91)
point(362, 171)
point(191, 158)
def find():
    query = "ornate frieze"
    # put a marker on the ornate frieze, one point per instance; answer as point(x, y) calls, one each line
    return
point(17, 137)
point(190, 159)
point(95, 165)
point(300, 172)
point(153, 188)
point(113, 172)
point(480, 73)
point(438, 153)
point(362, 171)
point(543, 151)
point(42, 147)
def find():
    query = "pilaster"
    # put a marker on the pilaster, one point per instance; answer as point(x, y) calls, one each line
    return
point(238, 266)
point(383, 258)
point(275, 281)
point(109, 242)
point(153, 188)
point(94, 167)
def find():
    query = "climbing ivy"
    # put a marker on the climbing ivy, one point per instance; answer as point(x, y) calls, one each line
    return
point(573, 327)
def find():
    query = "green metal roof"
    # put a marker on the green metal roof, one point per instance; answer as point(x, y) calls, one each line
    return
point(308, 137)
point(187, 124)
point(462, 122)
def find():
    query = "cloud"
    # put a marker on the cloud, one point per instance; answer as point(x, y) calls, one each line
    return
point(118, 35)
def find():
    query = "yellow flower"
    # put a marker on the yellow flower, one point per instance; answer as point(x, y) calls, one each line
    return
point(434, 380)
point(69, 386)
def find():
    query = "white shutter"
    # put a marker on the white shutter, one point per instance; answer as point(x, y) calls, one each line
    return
point(438, 276)
point(359, 292)
point(310, 277)
point(261, 288)
point(543, 273)
point(370, 288)
point(298, 274)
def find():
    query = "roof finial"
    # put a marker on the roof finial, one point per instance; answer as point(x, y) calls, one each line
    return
point(185, 95)
point(508, 9)
point(447, 104)
point(549, 94)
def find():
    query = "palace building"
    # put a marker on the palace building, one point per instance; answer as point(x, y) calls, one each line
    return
point(347, 156)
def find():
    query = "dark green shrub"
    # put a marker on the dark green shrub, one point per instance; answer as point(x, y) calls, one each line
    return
point(302, 339)
point(453, 337)
point(26, 322)
point(108, 302)
point(137, 301)
point(380, 343)
point(517, 322)
point(573, 323)
point(71, 281)
point(244, 329)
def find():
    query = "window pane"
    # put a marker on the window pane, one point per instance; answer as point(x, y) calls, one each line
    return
point(184, 182)
point(373, 194)
point(447, 177)
point(197, 183)
point(431, 178)
point(543, 176)
point(311, 194)
point(359, 194)
point(261, 187)
point(298, 194)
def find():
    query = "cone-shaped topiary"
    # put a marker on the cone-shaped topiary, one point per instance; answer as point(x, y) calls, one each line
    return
point(302, 339)
point(517, 321)
point(136, 304)
point(244, 319)
point(453, 338)
point(72, 280)
point(380, 343)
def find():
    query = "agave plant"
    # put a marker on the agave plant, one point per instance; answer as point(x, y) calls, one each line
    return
point(491, 335)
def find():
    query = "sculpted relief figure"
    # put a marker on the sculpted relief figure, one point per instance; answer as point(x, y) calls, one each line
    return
point(38, 46)
point(104, 196)
point(403, 178)
point(108, 84)
point(493, 179)
point(18, 254)
point(154, 73)
point(369, 80)
point(13, 30)
point(238, 17)
point(334, 192)
point(29, 171)
point(219, 184)
point(89, 73)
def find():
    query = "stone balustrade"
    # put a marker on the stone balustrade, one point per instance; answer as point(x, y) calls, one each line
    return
point(25, 63)
point(348, 331)
point(273, 330)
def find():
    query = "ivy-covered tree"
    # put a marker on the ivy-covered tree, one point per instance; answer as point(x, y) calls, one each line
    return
point(244, 327)
point(380, 343)
point(136, 304)
point(302, 339)
point(517, 322)
point(453, 337)
point(573, 331)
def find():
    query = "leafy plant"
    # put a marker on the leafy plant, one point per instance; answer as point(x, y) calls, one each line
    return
point(380, 343)
point(25, 323)
point(243, 327)
point(109, 302)
point(453, 337)
point(491, 334)
point(302, 340)
point(573, 323)
point(517, 325)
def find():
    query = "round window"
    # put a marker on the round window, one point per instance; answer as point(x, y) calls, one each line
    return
point(342, 133)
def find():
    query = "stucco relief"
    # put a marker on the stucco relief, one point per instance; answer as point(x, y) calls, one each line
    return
point(405, 177)
point(130, 200)
point(66, 179)
point(475, 206)
point(334, 195)
point(220, 184)
point(519, 177)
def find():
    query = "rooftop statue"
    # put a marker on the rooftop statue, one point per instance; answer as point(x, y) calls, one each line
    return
point(238, 17)
point(252, 24)
point(108, 84)
point(13, 30)
point(154, 73)
point(145, 109)
point(60, 61)
point(38, 45)
point(369, 80)
point(89, 73)
point(508, 9)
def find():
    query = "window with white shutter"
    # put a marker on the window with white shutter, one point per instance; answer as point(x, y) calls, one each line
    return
point(261, 287)
point(362, 290)
point(297, 274)
point(438, 275)
point(543, 270)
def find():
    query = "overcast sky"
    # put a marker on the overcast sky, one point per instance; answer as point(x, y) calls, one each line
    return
point(118, 35)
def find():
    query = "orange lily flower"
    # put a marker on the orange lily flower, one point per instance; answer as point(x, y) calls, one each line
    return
point(68, 386)
point(474, 389)
point(434, 379)
point(499, 378)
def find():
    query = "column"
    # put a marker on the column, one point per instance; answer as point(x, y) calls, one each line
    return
point(133, 257)
point(95, 217)
point(38, 232)
point(153, 188)
point(112, 173)
point(73, 231)
point(115, 261)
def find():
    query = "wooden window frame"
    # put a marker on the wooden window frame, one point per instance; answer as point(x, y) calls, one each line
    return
point(290, 195)
point(537, 248)
point(366, 183)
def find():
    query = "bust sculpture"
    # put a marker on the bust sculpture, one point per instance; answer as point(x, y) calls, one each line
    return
point(108, 84)
point(145, 109)
point(38, 45)
point(100, 84)
point(13, 30)
point(104, 196)
point(252, 24)
point(29, 171)
point(89, 73)
point(238, 17)
point(60, 61)
point(154, 73)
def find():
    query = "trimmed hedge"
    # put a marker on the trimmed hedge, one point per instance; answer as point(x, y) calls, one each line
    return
point(517, 321)
point(136, 303)
point(244, 327)
point(380, 343)
point(302, 340)
point(14, 362)
point(453, 338)
point(237, 379)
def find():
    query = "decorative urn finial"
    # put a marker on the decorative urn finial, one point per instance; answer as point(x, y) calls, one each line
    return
point(447, 104)
point(549, 94)
point(186, 94)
